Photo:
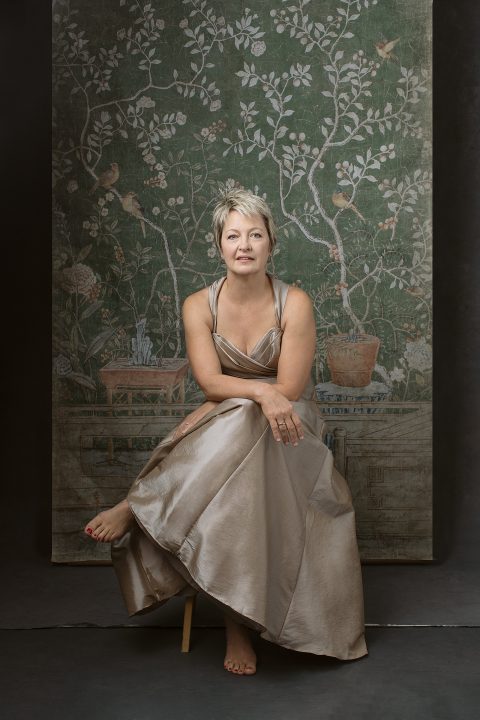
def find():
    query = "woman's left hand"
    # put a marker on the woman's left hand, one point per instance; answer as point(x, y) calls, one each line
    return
point(193, 418)
point(284, 421)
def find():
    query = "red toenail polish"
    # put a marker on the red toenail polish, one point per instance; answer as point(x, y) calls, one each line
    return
point(89, 531)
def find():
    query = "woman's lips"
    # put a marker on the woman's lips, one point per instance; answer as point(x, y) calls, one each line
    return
point(243, 259)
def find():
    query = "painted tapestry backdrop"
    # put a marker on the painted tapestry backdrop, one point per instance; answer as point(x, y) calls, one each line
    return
point(322, 108)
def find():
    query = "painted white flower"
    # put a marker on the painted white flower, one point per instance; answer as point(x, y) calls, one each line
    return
point(156, 210)
point(212, 251)
point(397, 375)
point(150, 159)
point(104, 211)
point(418, 354)
point(171, 202)
point(145, 102)
point(109, 196)
point(215, 105)
point(165, 132)
point(209, 237)
point(183, 23)
point(280, 28)
point(72, 186)
point(101, 201)
point(181, 118)
point(258, 48)
point(179, 200)
point(86, 224)
point(160, 24)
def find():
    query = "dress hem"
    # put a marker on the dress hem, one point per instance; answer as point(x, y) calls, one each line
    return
point(250, 621)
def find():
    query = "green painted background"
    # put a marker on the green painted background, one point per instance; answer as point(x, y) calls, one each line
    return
point(290, 100)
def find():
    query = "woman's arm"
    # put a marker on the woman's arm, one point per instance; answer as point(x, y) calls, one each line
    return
point(298, 345)
point(295, 362)
point(203, 357)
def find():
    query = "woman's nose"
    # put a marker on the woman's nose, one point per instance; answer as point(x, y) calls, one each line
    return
point(245, 243)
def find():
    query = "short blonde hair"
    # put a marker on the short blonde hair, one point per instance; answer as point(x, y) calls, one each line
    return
point(246, 203)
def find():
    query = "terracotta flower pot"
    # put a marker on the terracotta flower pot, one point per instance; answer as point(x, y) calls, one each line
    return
point(351, 358)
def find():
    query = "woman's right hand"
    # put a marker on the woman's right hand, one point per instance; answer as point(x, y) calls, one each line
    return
point(279, 411)
point(193, 418)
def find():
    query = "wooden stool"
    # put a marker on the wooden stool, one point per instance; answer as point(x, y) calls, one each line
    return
point(187, 621)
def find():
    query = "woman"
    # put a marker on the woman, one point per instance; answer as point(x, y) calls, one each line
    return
point(242, 501)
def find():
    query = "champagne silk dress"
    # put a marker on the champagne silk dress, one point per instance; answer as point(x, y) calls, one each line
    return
point(265, 530)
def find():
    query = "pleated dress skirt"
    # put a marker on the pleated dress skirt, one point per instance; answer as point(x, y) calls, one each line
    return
point(265, 530)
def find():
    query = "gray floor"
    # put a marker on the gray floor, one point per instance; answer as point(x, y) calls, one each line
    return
point(39, 594)
point(140, 674)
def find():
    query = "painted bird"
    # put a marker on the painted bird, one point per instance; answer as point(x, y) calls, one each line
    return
point(107, 178)
point(415, 291)
point(131, 205)
point(342, 200)
point(384, 49)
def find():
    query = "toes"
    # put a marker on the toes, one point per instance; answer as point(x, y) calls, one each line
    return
point(96, 523)
point(101, 535)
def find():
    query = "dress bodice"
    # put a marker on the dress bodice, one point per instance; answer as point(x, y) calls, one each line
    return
point(263, 358)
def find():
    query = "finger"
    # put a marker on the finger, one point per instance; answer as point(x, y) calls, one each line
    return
point(292, 431)
point(298, 424)
point(275, 430)
point(296, 421)
point(283, 430)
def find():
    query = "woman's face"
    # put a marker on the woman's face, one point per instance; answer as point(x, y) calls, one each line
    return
point(245, 243)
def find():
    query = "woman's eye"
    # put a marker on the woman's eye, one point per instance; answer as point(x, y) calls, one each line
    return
point(232, 237)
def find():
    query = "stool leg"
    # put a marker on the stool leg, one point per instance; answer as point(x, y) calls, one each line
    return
point(187, 622)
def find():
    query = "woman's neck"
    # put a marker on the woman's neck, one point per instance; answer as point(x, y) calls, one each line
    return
point(245, 289)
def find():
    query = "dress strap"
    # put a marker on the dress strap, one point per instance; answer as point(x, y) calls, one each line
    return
point(280, 292)
point(213, 291)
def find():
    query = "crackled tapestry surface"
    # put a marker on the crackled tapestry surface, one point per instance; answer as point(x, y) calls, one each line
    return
point(324, 109)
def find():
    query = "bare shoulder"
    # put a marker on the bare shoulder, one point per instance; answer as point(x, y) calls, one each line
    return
point(196, 307)
point(298, 301)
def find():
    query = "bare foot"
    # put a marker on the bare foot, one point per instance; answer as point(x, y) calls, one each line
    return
point(110, 524)
point(240, 657)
